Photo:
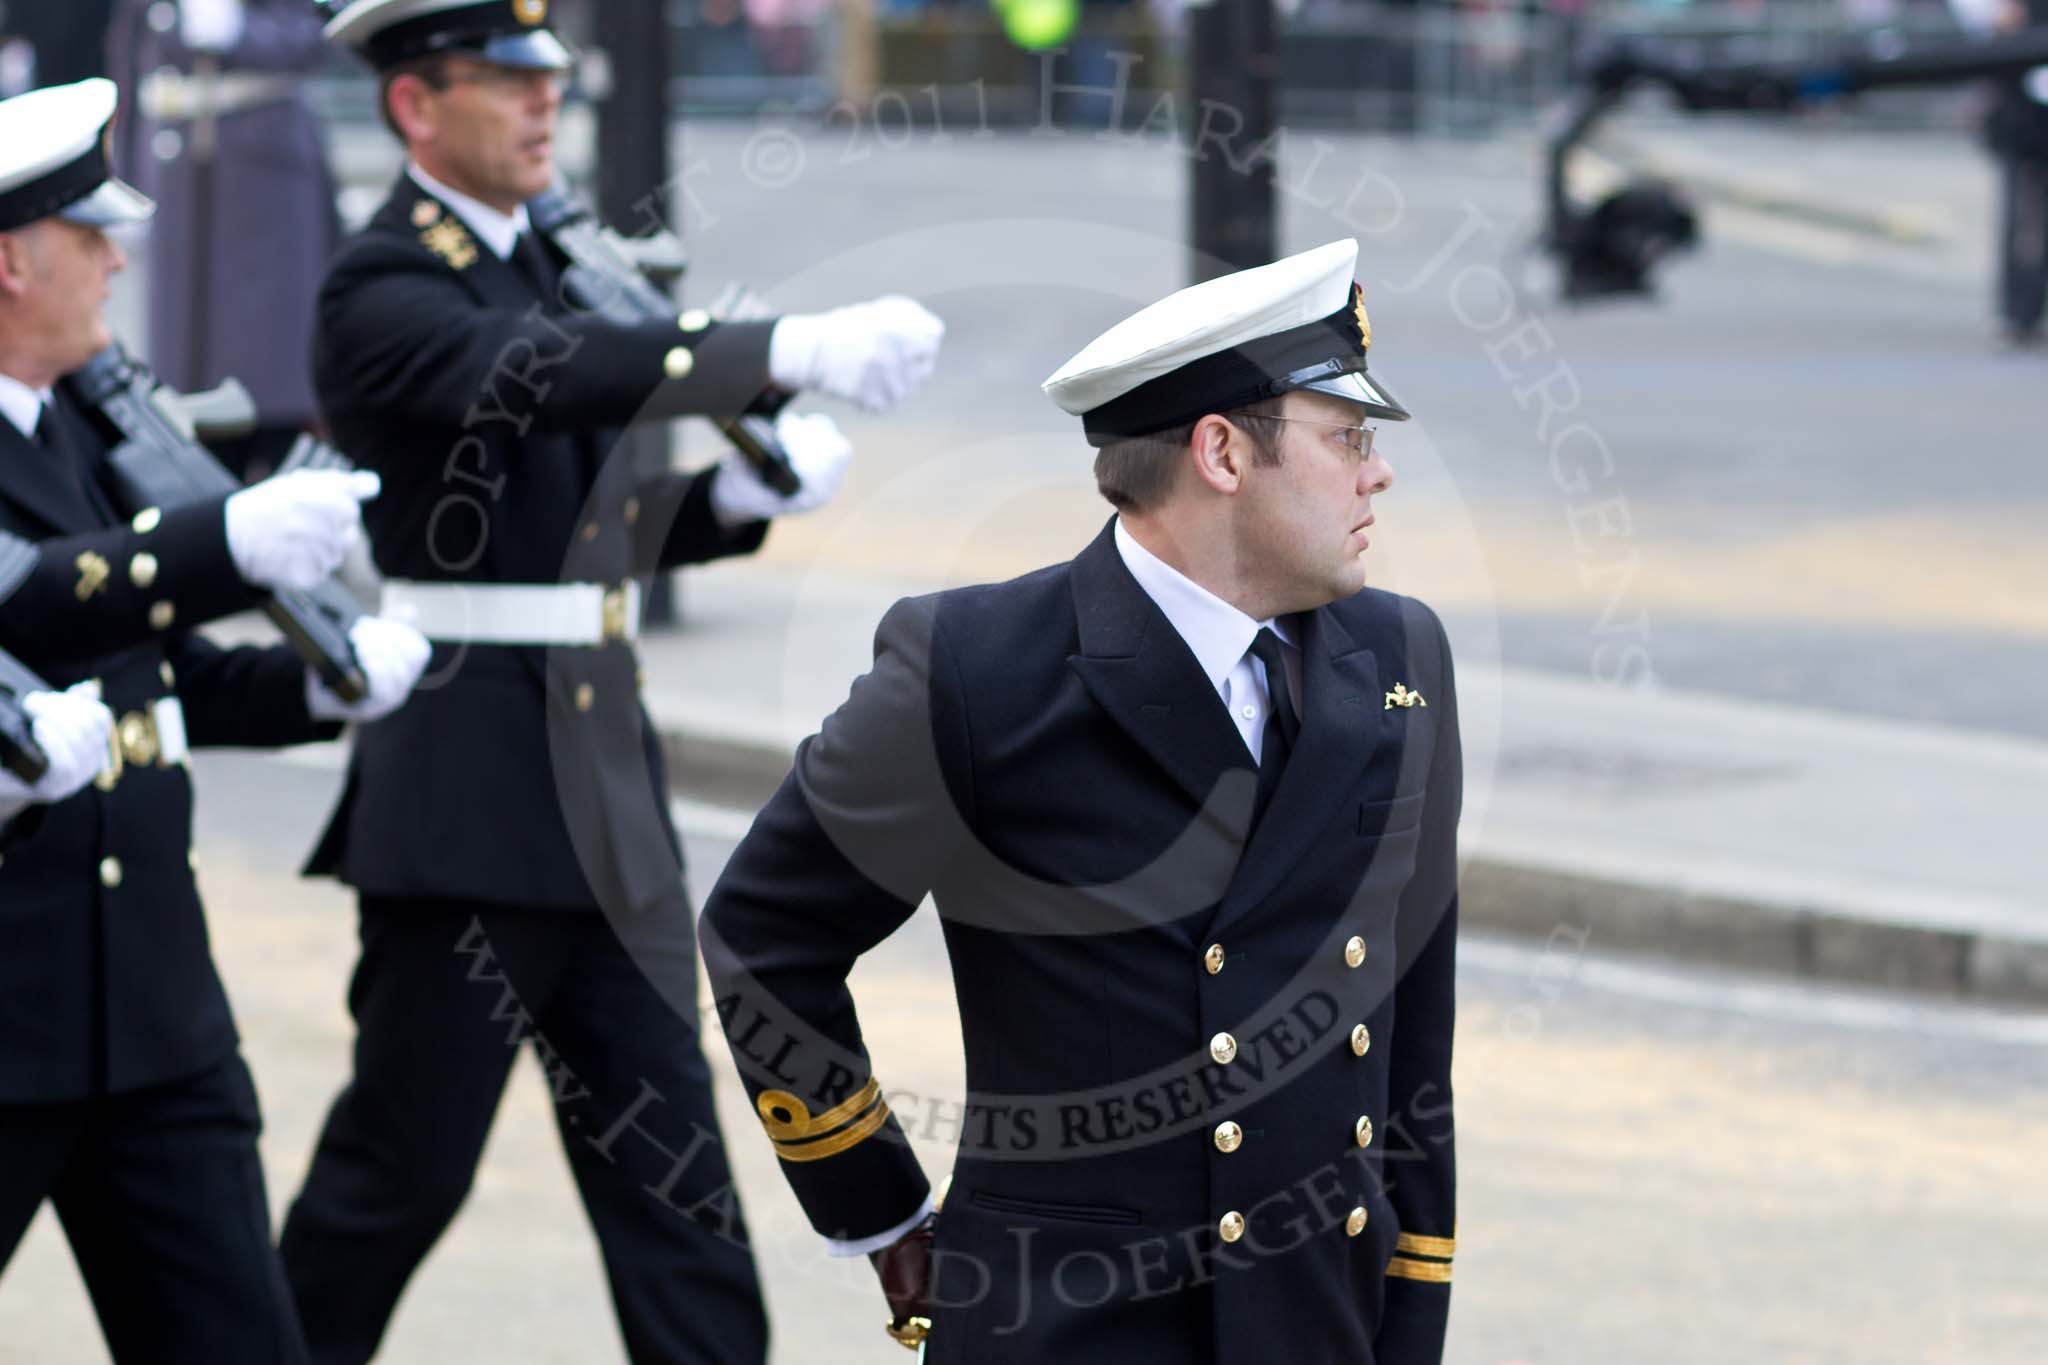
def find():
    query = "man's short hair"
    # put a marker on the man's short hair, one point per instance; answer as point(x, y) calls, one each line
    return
point(431, 68)
point(1137, 474)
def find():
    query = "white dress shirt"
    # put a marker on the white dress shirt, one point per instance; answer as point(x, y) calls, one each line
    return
point(21, 404)
point(498, 231)
point(1220, 636)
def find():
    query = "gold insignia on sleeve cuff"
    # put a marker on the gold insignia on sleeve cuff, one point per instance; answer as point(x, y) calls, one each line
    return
point(92, 574)
point(799, 1136)
point(1437, 1248)
point(1434, 1272)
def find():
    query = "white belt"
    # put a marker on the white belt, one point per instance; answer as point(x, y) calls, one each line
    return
point(588, 614)
point(173, 97)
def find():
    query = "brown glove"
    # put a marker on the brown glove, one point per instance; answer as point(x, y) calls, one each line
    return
point(905, 1268)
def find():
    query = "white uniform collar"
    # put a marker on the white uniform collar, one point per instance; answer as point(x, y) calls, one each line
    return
point(498, 231)
point(1217, 633)
point(21, 404)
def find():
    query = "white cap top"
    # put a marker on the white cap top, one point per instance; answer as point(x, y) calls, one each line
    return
point(1298, 323)
point(53, 158)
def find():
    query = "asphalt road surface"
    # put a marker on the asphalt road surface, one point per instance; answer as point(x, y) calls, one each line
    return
point(1658, 1164)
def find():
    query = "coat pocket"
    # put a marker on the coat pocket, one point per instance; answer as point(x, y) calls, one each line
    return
point(1108, 1215)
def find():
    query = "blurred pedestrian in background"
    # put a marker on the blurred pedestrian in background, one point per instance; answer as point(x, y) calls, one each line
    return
point(218, 132)
point(2017, 132)
point(52, 42)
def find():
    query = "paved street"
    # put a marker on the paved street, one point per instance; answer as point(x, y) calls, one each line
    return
point(1658, 1164)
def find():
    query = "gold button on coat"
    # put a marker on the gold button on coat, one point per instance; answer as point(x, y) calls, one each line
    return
point(589, 530)
point(1229, 1137)
point(1361, 1040)
point(586, 696)
point(1363, 1132)
point(164, 671)
point(632, 510)
point(142, 571)
point(1354, 1222)
point(147, 520)
point(1213, 959)
point(1223, 1048)
point(1230, 1226)
point(678, 363)
point(110, 872)
point(695, 320)
point(161, 615)
point(1354, 951)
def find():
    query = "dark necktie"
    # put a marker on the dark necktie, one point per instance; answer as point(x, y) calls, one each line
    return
point(531, 260)
point(1282, 725)
point(58, 434)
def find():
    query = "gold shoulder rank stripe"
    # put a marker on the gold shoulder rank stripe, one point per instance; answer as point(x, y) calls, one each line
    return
point(1435, 1272)
point(1440, 1248)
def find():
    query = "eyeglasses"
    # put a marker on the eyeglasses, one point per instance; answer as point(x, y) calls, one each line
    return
point(509, 82)
point(1357, 441)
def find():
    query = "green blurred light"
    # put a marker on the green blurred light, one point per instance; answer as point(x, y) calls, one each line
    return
point(1039, 24)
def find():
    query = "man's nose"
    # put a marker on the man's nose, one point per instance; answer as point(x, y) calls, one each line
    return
point(1376, 475)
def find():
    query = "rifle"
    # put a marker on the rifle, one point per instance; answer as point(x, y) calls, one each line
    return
point(19, 753)
point(609, 275)
point(160, 461)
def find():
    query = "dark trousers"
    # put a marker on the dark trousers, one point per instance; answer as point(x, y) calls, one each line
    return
point(161, 1196)
point(2023, 245)
point(444, 995)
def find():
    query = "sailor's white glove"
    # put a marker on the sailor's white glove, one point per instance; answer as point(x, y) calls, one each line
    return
point(290, 533)
point(871, 354)
point(74, 731)
point(392, 655)
point(818, 452)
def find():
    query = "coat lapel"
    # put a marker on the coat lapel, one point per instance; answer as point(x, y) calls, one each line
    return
point(413, 212)
point(32, 479)
point(1339, 731)
point(1143, 675)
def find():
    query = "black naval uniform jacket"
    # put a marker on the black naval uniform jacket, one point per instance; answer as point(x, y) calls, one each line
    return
point(1209, 1106)
point(515, 775)
point(106, 980)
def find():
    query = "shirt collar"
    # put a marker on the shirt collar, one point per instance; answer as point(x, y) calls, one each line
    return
point(498, 231)
point(1218, 633)
point(21, 404)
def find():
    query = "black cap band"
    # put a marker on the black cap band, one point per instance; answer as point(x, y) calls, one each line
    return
point(1262, 368)
point(56, 191)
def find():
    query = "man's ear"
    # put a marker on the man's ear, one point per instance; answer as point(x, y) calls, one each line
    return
point(1218, 452)
point(16, 264)
point(411, 108)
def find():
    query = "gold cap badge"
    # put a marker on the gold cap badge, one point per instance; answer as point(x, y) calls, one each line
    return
point(532, 13)
point(1358, 311)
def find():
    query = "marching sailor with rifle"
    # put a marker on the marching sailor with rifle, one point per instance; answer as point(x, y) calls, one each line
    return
point(124, 1099)
point(511, 825)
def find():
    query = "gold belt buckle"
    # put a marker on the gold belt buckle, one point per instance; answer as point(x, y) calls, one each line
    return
point(614, 615)
point(135, 743)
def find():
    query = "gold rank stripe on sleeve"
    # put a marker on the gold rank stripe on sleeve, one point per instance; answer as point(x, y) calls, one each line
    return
point(1436, 1248)
point(1434, 1272)
point(800, 1136)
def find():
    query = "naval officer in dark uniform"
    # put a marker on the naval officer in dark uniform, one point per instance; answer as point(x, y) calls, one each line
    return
point(123, 1096)
point(1188, 808)
point(508, 835)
